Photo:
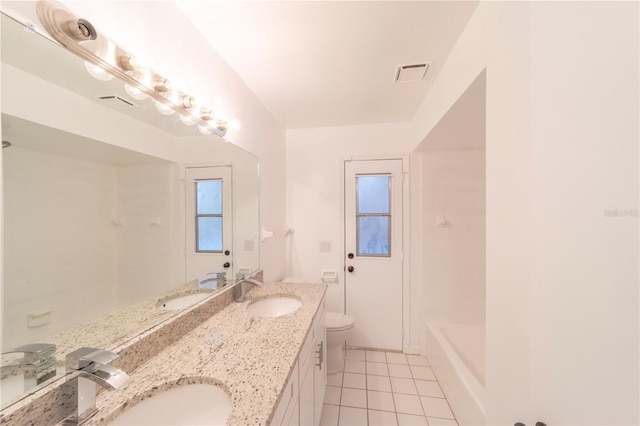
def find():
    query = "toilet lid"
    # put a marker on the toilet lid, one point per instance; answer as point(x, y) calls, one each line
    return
point(336, 321)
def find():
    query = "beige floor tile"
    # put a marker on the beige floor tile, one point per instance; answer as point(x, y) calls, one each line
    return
point(411, 420)
point(433, 421)
point(377, 369)
point(355, 354)
point(403, 385)
point(351, 366)
point(354, 398)
point(329, 416)
point(376, 356)
point(422, 373)
point(407, 404)
point(334, 379)
point(382, 401)
point(378, 383)
point(436, 407)
point(382, 418)
point(352, 416)
point(356, 381)
point(397, 370)
point(429, 388)
point(396, 358)
point(418, 360)
point(332, 395)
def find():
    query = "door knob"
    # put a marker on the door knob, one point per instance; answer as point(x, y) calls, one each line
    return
point(226, 265)
point(350, 255)
point(351, 269)
point(227, 252)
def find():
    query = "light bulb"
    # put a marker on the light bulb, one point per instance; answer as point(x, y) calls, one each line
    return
point(97, 71)
point(128, 62)
point(135, 93)
point(164, 109)
point(161, 85)
point(204, 130)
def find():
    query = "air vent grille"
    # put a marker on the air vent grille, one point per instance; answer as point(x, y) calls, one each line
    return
point(117, 102)
point(411, 73)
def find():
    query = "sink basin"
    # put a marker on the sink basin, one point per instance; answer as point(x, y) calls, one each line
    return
point(197, 404)
point(274, 307)
point(182, 302)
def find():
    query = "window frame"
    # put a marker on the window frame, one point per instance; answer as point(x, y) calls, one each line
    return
point(212, 215)
point(359, 215)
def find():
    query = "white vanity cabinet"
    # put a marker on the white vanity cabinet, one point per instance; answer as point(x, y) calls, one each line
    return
point(287, 412)
point(309, 379)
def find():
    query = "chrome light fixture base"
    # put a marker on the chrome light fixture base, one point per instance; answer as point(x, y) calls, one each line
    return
point(80, 37)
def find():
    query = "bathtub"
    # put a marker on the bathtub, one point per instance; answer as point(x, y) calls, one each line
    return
point(456, 354)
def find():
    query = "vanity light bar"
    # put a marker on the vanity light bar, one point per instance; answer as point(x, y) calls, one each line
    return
point(81, 38)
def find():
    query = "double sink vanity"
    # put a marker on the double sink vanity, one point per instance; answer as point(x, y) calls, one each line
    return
point(217, 362)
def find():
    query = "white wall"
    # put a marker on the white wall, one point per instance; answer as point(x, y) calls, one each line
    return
point(67, 255)
point(584, 162)
point(146, 246)
point(562, 132)
point(315, 161)
point(453, 256)
point(58, 213)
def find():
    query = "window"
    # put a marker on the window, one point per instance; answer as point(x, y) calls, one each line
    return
point(373, 215)
point(209, 216)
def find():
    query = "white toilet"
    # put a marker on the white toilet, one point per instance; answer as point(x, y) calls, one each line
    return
point(339, 327)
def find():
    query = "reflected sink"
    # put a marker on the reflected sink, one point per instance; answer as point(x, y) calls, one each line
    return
point(182, 302)
point(274, 307)
point(197, 404)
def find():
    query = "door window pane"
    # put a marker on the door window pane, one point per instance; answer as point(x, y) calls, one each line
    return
point(373, 235)
point(373, 194)
point(209, 216)
point(373, 215)
point(209, 234)
point(209, 194)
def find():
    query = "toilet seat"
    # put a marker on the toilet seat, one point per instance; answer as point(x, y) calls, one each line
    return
point(338, 322)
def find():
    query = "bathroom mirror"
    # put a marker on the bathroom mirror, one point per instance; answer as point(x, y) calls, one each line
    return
point(96, 188)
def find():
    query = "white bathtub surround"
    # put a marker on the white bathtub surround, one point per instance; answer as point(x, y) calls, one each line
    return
point(456, 353)
point(385, 388)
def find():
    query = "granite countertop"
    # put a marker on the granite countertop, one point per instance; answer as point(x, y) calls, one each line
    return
point(249, 357)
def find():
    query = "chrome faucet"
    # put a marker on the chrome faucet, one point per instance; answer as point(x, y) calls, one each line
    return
point(38, 363)
point(213, 279)
point(240, 290)
point(93, 368)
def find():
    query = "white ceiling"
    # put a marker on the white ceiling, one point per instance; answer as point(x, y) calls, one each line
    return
point(332, 63)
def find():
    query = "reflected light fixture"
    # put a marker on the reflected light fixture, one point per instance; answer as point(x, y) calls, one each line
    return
point(104, 59)
point(97, 71)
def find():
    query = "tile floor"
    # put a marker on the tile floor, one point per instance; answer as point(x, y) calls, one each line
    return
point(385, 388)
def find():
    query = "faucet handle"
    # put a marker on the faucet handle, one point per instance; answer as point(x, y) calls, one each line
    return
point(82, 357)
point(34, 351)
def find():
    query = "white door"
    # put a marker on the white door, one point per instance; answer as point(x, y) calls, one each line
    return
point(208, 221)
point(374, 252)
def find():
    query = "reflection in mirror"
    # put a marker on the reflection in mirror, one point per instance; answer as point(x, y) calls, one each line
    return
point(95, 213)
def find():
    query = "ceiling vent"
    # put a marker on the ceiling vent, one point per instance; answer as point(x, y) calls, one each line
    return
point(116, 102)
point(411, 73)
